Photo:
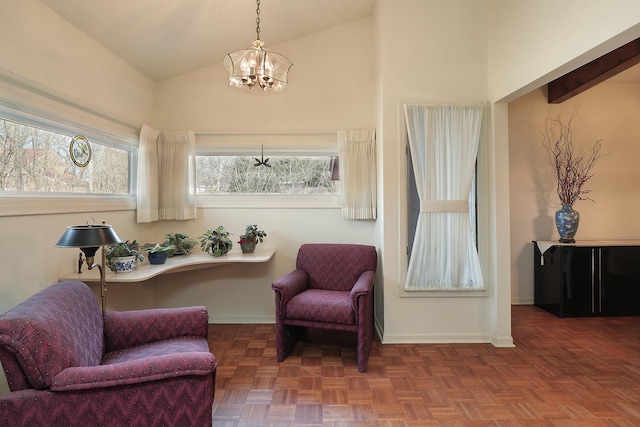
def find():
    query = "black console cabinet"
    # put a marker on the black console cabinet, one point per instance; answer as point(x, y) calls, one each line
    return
point(588, 278)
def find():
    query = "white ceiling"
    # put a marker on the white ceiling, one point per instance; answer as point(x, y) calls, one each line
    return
point(165, 38)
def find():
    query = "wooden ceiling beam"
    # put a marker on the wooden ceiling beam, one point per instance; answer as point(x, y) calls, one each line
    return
point(596, 71)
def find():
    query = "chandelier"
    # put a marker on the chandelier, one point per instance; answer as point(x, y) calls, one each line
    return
point(257, 69)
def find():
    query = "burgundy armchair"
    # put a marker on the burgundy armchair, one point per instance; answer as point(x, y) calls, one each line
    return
point(331, 288)
point(67, 364)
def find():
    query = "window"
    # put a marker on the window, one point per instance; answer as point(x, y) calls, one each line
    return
point(413, 209)
point(36, 160)
point(444, 140)
point(278, 175)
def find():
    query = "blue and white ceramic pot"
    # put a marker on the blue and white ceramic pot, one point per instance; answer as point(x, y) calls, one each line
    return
point(125, 264)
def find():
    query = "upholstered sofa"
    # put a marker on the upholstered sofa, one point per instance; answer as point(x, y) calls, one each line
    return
point(67, 364)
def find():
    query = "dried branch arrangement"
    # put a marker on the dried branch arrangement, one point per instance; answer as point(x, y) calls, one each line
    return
point(572, 166)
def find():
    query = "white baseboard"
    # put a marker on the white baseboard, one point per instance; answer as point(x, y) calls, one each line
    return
point(436, 339)
point(522, 301)
point(247, 320)
point(503, 341)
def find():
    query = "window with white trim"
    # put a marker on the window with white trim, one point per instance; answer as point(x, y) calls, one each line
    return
point(37, 160)
point(267, 175)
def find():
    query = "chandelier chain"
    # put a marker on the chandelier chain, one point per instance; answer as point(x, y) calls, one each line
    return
point(258, 19)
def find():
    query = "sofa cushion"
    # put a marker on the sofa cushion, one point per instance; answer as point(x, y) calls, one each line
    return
point(319, 305)
point(335, 266)
point(159, 348)
point(172, 358)
point(59, 327)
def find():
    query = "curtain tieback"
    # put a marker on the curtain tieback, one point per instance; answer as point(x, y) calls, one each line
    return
point(444, 206)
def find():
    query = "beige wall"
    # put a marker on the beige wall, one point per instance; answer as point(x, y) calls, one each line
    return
point(608, 112)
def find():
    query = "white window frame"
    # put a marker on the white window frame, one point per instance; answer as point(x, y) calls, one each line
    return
point(275, 144)
point(17, 203)
point(482, 214)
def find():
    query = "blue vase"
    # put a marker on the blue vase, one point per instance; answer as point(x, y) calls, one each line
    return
point(567, 220)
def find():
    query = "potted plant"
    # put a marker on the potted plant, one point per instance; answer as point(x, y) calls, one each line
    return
point(158, 254)
point(216, 241)
point(252, 235)
point(183, 244)
point(123, 257)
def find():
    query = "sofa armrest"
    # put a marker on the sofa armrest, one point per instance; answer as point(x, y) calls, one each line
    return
point(152, 368)
point(287, 287)
point(362, 288)
point(131, 328)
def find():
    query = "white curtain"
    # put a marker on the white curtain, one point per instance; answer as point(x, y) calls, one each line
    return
point(357, 150)
point(444, 143)
point(147, 191)
point(166, 175)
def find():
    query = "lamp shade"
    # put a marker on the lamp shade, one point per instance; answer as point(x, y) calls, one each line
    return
point(82, 236)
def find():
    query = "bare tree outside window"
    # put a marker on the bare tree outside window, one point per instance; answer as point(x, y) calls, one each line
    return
point(286, 175)
point(38, 160)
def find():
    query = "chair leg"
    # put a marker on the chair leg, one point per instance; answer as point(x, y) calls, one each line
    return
point(286, 338)
point(365, 331)
point(365, 341)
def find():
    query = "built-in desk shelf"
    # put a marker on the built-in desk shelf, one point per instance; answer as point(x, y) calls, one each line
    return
point(145, 271)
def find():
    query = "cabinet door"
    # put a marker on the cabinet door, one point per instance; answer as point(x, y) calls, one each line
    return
point(547, 280)
point(564, 281)
point(578, 281)
point(620, 281)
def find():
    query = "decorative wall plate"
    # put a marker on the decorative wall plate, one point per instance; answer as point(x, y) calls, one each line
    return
point(80, 151)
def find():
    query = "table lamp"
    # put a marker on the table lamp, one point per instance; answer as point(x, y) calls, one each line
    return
point(89, 238)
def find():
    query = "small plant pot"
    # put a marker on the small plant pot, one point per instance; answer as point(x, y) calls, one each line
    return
point(221, 250)
point(158, 257)
point(125, 264)
point(248, 247)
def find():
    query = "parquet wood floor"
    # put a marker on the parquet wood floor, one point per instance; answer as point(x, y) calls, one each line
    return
point(563, 372)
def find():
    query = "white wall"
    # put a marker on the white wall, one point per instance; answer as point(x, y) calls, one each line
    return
point(321, 96)
point(533, 42)
point(429, 51)
point(608, 112)
point(40, 47)
point(330, 87)
point(41, 51)
point(45, 60)
point(242, 293)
